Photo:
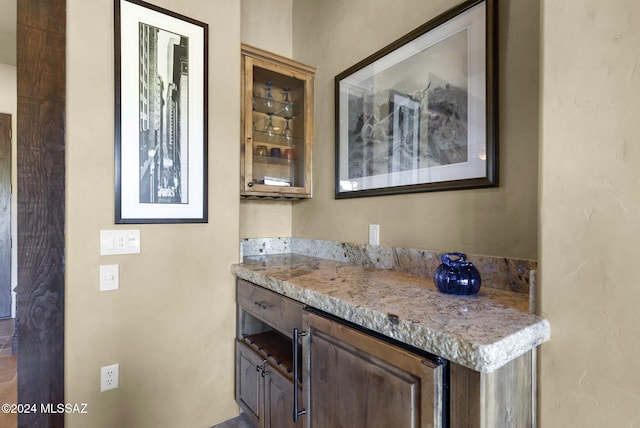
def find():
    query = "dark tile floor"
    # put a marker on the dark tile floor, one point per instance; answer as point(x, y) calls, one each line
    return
point(239, 422)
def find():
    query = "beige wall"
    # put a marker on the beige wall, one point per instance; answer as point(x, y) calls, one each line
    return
point(266, 25)
point(171, 325)
point(590, 213)
point(333, 35)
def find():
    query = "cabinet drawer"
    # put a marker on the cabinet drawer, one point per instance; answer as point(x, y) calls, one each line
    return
point(272, 308)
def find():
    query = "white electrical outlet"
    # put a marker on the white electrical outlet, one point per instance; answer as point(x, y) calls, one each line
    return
point(374, 234)
point(109, 377)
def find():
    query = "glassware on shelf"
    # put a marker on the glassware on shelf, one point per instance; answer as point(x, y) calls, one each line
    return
point(287, 130)
point(269, 102)
point(269, 129)
point(287, 107)
point(275, 152)
point(261, 150)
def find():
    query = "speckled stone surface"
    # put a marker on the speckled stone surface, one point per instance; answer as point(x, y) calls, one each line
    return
point(482, 332)
point(496, 272)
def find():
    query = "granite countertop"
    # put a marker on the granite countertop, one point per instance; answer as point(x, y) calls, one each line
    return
point(482, 332)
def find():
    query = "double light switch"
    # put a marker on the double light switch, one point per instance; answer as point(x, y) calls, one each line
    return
point(116, 242)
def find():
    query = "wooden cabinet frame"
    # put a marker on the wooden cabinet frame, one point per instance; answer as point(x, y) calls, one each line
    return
point(280, 71)
point(428, 391)
point(265, 366)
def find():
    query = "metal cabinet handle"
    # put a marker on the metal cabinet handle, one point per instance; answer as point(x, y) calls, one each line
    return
point(296, 413)
point(262, 305)
point(260, 366)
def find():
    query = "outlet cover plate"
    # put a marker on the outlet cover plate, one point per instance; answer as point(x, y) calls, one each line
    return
point(374, 234)
point(109, 377)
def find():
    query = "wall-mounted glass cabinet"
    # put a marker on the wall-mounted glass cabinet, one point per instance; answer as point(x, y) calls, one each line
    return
point(277, 126)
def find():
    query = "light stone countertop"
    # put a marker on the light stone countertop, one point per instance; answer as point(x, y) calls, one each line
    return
point(482, 332)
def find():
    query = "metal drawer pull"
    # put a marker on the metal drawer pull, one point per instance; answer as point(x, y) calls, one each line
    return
point(261, 365)
point(296, 413)
point(262, 305)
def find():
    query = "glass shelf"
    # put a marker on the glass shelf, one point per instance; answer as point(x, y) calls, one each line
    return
point(278, 108)
point(276, 139)
point(269, 160)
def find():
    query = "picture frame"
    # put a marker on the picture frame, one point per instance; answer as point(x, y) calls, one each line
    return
point(420, 114)
point(161, 126)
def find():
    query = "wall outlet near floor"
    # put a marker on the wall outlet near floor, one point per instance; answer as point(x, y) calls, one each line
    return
point(109, 377)
point(374, 234)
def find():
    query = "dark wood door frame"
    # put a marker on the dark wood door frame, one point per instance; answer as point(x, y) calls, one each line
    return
point(41, 28)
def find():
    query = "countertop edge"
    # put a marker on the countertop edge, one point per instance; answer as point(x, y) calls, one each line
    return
point(484, 358)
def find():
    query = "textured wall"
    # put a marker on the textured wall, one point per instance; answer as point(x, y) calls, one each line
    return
point(172, 323)
point(333, 35)
point(266, 25)
point(590, 213)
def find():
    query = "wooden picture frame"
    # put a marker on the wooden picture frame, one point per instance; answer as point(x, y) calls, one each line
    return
point(161, 86)
point(440, 82)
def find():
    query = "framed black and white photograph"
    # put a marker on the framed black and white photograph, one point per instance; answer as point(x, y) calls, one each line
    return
point(160, 115)
point(421, 114)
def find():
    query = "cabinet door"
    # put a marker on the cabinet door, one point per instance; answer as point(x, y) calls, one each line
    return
point(277, 125)
point(279, 401)
point(354, 380)
point(249, 388)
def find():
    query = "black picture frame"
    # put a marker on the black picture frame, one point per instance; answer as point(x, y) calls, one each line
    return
point(444, 74)
point(161, 115)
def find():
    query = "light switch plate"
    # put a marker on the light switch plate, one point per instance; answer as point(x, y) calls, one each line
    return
point(119, 242)
point(109, 277)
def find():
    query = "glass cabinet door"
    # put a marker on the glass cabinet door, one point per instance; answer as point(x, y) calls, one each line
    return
point(277, 127)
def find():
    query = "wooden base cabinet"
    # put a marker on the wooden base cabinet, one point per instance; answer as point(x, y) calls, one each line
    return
point(349, 377)
point(503, 398)
point(265, 364)
point(249, 384)
point(278, 402)
point(265, 394)
point(353, 379)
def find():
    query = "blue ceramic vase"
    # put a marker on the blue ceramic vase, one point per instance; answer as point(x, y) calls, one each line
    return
point(457, 275)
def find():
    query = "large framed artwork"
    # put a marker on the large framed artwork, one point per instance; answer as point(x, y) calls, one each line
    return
point(421, 114)
point(160, 115)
